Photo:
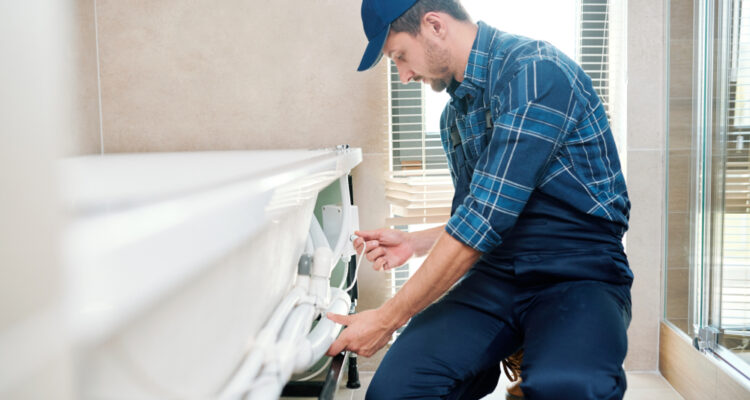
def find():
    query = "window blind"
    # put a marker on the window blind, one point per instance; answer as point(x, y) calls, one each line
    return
point(593, 46)
point(418, 187)
point(735, 294)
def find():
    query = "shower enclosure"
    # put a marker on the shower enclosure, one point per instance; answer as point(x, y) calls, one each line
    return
point(708, 196)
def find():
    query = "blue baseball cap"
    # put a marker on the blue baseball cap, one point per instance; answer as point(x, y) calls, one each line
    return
point(377, 16)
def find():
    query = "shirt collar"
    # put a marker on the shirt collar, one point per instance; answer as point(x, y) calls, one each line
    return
point(475, 76)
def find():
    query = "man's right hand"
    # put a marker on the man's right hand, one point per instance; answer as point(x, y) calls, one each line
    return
point(386, 248)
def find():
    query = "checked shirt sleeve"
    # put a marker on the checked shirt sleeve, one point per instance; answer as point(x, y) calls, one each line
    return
point(541, 108)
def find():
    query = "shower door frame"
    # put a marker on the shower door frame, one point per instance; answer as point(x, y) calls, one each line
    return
point(714, 19)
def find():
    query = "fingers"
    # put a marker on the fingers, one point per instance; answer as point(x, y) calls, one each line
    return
point(381, 264)
point(337, 346)
point(376, 253)
point(363, 335)
point(341, 342)
point(358, 243)
point(339, 319)
point(369, 235)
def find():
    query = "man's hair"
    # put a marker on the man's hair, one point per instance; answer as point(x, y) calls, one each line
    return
point(411, 20)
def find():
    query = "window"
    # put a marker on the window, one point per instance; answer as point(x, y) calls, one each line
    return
point(418, 187)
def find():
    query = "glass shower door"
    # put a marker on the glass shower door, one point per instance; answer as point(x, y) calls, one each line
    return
point(726, 278)
point(707, 261)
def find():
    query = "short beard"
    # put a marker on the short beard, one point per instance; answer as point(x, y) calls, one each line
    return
point(438, 61)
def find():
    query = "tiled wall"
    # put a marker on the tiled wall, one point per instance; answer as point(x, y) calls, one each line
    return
point(646, 120)
point(236, 75)
point(682, 31)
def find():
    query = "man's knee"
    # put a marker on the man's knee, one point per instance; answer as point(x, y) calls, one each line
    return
point(578, 385)
point(418, 383)
point(387, 383)
point(393, 381)
point(380, 388)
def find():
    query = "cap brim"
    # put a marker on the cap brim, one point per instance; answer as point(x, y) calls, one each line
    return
point(374, 50)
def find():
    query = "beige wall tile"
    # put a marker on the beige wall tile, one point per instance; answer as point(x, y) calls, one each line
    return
point(369, 195)
point(681, 54)
point(680, 164)
point(681, 324)
point(644, 248)
point(681, 19)
point(646, 74)
point(237, 75)
point(680, 123)
point(681, 50)
point(678, 240)
point(646, 118)
point(681, 80)
point(678, 289)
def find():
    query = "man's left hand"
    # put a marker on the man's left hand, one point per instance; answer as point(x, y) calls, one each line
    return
point(365, 333)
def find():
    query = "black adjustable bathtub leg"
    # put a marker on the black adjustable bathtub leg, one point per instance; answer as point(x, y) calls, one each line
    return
point(352, 381)
point(353, 378)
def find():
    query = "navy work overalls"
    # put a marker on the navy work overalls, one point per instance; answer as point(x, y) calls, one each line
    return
point(558, 287)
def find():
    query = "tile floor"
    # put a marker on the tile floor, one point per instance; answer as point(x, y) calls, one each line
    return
point(641, 385)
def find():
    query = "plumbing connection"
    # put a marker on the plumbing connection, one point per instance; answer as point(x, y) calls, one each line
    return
point(287, 344)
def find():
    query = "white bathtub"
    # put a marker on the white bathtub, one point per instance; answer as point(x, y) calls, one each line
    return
point(174, 261)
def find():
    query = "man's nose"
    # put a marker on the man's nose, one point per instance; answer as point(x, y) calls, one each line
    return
point(404, 74)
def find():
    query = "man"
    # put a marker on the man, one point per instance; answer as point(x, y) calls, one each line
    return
point(532, 255)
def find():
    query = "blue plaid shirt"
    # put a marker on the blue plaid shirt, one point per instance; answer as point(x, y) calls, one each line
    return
point(525, 119)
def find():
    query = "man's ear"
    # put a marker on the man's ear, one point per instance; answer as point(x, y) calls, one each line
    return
point(433, 24)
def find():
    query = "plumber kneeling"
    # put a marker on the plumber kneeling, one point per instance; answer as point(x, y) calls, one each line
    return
point(531, 258)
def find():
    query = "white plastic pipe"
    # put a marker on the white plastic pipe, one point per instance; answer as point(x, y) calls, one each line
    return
point(317, 235)
point(296, 353)
point(320, 276)
point(266, 338)
point(325, 332)
point(277, 370)
point(295, 330)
